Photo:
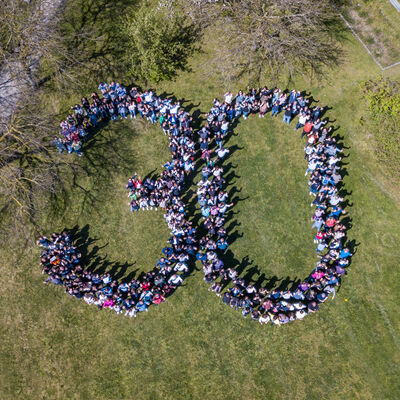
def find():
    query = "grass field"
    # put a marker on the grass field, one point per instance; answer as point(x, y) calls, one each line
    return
point(377, 23)
point(193, 346)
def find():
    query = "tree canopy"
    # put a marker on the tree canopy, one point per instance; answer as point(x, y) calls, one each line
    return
point(268, 37)
point(158, 41)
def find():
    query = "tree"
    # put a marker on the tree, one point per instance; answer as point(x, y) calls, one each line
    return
point(30, 169)
point(158, 41)
point(268, 37)
point(66, 45)
point(29, 166)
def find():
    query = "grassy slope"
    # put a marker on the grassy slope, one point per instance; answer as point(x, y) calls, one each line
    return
point(193, 346)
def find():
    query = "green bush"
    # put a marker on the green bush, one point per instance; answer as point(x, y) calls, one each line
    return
point(383, 102)
point(158, 41)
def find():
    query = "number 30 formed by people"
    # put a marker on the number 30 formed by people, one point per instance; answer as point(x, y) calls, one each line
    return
point(190, 149)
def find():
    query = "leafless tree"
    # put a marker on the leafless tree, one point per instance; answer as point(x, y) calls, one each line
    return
point(29, 41)
point(271, 37)
point(29, 35)
point(30, 170)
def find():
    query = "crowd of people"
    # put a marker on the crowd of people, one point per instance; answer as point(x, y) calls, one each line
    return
point(63, 262)
point(175, 122)
point(116, 103)
point(322, 154)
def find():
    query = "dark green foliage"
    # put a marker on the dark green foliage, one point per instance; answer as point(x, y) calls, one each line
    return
point(158, 42)
point(91, 36)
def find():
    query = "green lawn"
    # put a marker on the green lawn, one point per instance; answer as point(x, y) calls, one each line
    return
point(193, 346)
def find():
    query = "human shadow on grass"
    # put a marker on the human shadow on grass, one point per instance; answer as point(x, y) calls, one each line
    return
point(251, 274)
point(92, 261)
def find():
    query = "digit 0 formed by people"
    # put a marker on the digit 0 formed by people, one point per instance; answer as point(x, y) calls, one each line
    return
point(62, 262)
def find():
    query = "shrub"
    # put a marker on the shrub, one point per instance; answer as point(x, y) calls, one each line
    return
point(158, 41)
point(383, 102)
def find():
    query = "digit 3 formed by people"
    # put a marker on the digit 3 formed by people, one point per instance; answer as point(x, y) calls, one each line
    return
point(61, 261)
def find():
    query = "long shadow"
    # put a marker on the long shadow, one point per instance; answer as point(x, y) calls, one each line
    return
point(92, 261)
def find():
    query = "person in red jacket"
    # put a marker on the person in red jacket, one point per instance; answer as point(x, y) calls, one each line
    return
point(307, 128)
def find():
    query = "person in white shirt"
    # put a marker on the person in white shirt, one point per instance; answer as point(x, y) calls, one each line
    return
point(301, 314)
point(163, 109)
point(132, 110)
point(299, 305)
point(251, 289)
point(335, 200)
point(183, 257)
point(333, 160)
point(175, 280)
point(303, 118)
point(131, 312)
point(222, 152)
point(312, 165)
point(217, 171)
point(180, 267)
point(264, 319)
point(224, 127)
point(228, 97)
point(148, 98)
point(88, 298)
point(174, 110)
